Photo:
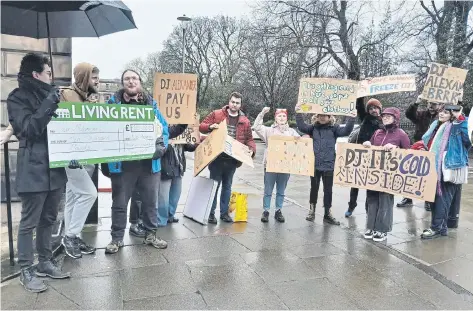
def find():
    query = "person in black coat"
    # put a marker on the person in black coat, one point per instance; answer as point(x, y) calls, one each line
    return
point(30, 108)
point(370, 117)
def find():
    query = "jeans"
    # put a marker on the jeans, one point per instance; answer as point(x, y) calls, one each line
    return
point(327, 179)
point(134, 176)
point(443, 204)
point(280, 179)
point(222, 170)
point(168, 198)
point(135, 208)
point(380, 211)
point(80, 197)
point(38, 210)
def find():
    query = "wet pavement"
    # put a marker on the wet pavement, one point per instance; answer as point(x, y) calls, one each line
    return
point(295, 265)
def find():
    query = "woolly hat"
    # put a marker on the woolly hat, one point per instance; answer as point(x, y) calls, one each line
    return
point(394, 112)
point(374, 102)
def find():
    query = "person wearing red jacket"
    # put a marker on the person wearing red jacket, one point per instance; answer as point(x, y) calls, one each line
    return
point(223, 167)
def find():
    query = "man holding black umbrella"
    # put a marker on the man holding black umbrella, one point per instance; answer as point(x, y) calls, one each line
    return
point(30, 109)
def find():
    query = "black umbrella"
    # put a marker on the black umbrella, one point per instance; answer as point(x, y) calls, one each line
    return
point(64, 19)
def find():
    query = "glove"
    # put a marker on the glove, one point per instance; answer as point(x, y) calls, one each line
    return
point(160, 148)
point(74, 164)
point(54, 95)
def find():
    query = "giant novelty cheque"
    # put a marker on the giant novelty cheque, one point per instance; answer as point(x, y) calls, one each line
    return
point(408, 173)
point(101, 133)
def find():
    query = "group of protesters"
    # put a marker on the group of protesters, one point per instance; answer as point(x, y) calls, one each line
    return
point(154, 185)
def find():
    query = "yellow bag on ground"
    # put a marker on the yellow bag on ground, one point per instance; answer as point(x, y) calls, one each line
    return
point(239, 204)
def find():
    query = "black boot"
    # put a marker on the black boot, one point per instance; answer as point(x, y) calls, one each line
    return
point(265, 216)
point(278, 216)
point(428, 206)
point(311, 215)
point(212, 219)
point(405, 203)
point(31, 282)
point(329, 219)
point(50, 269)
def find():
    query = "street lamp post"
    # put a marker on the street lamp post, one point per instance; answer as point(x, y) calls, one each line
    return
point(184, 19)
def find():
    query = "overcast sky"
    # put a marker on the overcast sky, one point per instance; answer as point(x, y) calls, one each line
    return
point(155, 20)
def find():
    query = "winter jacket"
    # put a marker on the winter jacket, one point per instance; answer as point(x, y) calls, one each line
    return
point(79, 91)
point(170, 167)
point(391, 134)
point(116, 167)
point(243, 130)
point(30, 107)
point(422, 120)
point(324, 137)
point(457, 146)
point(369, 124)
point(264, 132)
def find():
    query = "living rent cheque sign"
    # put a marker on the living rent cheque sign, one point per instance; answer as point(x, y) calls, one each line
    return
point(101, 133)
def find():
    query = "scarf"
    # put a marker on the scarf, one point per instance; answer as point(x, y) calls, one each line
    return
point(37, 87)
point(282, 128)
point(438, 146)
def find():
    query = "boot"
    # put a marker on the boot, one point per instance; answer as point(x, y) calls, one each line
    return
point(405, 203)
point(311, 215)
point(428, 206)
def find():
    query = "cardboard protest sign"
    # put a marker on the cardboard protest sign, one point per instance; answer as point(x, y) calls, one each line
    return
point(387, 84)
point(409, 173)
point(216, 143)
point(328, 96)
point(210, 148)
point(444, 84)
point(238, 151)
point(176, 94)
point(290, 155)
point(191, 134)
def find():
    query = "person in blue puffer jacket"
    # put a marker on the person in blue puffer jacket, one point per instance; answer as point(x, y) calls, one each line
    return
point(142, 175)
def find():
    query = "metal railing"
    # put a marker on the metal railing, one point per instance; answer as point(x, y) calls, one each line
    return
point(6, 159)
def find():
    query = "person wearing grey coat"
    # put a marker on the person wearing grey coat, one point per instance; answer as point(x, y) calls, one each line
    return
point(324, 133)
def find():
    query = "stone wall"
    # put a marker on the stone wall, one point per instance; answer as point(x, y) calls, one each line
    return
point(13, 49)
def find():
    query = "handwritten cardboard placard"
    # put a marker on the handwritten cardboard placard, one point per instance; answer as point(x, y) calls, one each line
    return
point(191, 134)
point(328, 96)
point(409, 173)
point(210, 148)
point(100, 133)
point(176, 94)
point(387, 84)
point(444, 84)
point(290, 155)
point(238, 151)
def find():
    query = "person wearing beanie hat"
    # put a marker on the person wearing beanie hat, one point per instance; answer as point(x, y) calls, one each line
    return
point(380, 204)
point(324, 133)
point(370, 117)
point(280, 128)
point(422, 119)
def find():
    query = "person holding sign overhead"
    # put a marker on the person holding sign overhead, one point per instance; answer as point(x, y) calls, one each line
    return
point(281, 128)
point(223, 167)
point(324, 133)
point(448, 139)
point(380, 204)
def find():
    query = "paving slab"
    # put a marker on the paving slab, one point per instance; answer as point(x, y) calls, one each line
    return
point(188, 301)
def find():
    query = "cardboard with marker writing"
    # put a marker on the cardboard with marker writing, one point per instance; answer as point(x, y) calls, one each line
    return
point(176, 94)
point(238, 151)
point(387, 84)
point(408, 173)
point(191, 134)
point(290, 155)
point(444, 84)
point(210, 148)
point(328, 96)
